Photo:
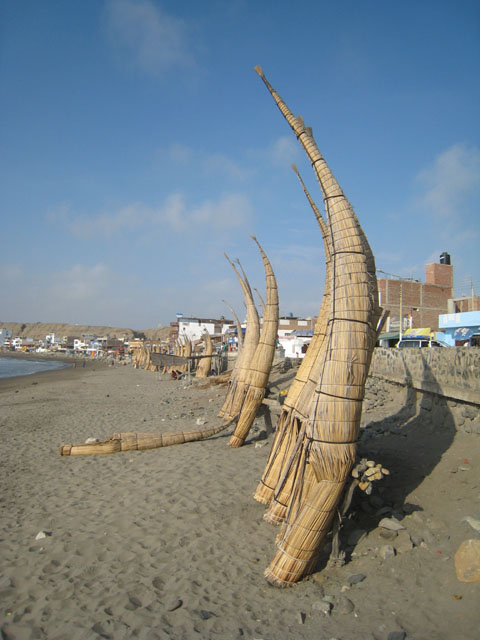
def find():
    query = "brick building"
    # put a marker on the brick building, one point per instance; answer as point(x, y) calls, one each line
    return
point(418, 303)
point(464, 305)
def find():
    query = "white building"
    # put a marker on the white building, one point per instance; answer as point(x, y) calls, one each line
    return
point(194, 328)
point(79, 344)
point(16, 343)
point(288, 324)
point(5, 337)
point(295, 343)
point(52, 339)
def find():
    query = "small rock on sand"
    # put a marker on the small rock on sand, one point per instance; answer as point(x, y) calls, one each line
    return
point(390, 523)
point(467, 561)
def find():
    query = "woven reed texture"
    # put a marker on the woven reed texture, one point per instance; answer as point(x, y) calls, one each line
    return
point(296, 403)
point(325, 449)
point(131, 441)
point(205, 365)
point(261, 363)
point(236, 390)
point(186, 351)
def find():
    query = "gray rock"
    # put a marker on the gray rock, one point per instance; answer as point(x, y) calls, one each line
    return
point(416, 539)
point(386, 552)
point(344, 605)
point(356, 578)
point(205, 615)
point(467, 561)
point(387, 534)
point(469, 412)
point(403, 542)
point(323, 607)
point(390, 523)
point(396, 635)
point(475, 524)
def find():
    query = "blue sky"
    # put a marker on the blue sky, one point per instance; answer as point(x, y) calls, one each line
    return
point(137, 145)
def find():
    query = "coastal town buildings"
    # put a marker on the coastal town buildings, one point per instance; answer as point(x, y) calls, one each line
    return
point(461, 329)
point(413, 303)
point(464, 304)
point(5, 337)
point(428, 306)
point(295, 343)
point(194, 328)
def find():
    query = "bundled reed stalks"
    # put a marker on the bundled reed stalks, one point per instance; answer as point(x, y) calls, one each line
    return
point(236, 389)
point(260, 366)
point(325, 416)
point(205, 364)
point(280, 473)
point(130, 441)
point(187, 348)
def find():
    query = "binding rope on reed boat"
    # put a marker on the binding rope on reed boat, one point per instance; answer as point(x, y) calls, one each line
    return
point(322, 436)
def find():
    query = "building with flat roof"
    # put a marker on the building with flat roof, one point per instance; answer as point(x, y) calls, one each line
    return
point(413, 303)
point(461, 329)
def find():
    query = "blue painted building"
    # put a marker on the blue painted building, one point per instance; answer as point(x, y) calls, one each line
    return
point(461, 328)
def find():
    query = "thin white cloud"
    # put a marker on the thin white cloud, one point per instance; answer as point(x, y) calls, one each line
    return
point(450, 180)
point(179, 154)
point(278, 154)
point(298, 259)
point(229, 211)
point(148, 36)
point(284, 151)
point(81, 284)
point(208, 164)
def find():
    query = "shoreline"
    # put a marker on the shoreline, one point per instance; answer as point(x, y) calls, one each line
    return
point(69, 371)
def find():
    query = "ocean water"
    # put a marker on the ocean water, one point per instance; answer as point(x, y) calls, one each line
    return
point(10, 367)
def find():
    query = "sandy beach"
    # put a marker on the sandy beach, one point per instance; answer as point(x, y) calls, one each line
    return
point(169, 543)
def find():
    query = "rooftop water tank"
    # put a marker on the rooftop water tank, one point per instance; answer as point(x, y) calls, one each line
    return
point(444, 258)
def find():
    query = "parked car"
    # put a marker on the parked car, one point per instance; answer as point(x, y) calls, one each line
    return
point(406, 343)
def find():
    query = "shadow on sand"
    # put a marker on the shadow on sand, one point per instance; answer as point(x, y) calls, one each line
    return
point(409, 443)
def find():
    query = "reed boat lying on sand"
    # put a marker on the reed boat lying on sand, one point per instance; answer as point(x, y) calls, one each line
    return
point(247, 384)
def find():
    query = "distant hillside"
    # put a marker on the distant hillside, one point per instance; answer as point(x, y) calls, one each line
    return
point(38, 330)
